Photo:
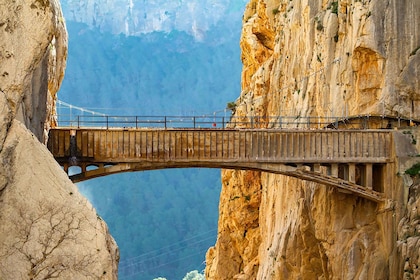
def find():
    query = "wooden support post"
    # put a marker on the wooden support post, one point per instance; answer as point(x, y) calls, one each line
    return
point(368, 176)
point(334, 170)
point(317, 167)
point(352, 172)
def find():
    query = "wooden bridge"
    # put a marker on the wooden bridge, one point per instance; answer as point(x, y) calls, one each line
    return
point(352, 160)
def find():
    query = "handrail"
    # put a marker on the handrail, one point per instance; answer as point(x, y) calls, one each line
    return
point(215, 122)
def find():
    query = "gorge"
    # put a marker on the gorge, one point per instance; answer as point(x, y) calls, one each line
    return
point(300, 58)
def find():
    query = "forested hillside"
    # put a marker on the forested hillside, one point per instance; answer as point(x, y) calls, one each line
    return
point(163, 221)
point(158, 73)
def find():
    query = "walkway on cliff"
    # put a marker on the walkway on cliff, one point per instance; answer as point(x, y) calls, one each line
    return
point(319, 150)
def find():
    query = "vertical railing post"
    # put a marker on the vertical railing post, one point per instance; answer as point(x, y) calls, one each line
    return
point(136, 122)
point(194, 121)
point(107, 122)
point(223, 122)
point(78, 121)
point(164, 120)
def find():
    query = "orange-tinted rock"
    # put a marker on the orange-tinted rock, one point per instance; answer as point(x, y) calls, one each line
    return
point(320, 58)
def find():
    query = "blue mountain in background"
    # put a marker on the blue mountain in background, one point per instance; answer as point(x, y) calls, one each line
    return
point(158, 73)
point(163, 221)
point(139, 17)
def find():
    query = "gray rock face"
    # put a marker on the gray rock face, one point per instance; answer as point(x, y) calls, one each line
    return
point(47, 228)
point(33, 51)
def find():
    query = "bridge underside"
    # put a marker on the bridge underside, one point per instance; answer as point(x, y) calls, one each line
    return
point(348, 178)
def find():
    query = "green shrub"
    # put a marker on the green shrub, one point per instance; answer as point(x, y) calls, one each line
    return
point(231, 105)
point(334, 7)
point(413, 170)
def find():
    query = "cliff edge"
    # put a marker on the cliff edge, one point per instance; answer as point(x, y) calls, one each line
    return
point(323, 59)
point(48, 230)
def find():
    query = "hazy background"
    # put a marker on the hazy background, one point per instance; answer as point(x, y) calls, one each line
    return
point(158, 57)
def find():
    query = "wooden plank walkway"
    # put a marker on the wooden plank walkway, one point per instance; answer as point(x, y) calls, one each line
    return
point(279, 146)
point(341, 152)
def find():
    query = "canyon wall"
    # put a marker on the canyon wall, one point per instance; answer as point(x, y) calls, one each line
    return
point(322, 58)
point(48, 230)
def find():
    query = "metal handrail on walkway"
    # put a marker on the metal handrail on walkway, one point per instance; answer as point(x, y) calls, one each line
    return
point(223, 122)
point(194, 121)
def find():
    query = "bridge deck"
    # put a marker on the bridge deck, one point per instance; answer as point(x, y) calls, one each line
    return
point(261, 149)
point(279, 146)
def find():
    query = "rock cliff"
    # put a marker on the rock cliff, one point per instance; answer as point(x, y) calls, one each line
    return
point(321, 59)
point(48, 230)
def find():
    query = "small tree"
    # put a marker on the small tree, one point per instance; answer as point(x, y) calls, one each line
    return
point(231, 106)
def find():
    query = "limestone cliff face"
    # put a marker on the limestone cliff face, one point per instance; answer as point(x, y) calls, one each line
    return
point(408, 233)
point(320, 58)
point(33, 51)
point(48, 229)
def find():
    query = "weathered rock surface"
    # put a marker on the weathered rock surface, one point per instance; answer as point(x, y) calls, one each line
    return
point(320, 58)
point(408, 234)
point(33, 52)
point(48, 229)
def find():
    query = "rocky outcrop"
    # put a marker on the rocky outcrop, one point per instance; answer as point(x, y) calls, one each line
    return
point(33, 58)
point(48, 229)
point(320, 59)
point(409, 236)
point(408, 233)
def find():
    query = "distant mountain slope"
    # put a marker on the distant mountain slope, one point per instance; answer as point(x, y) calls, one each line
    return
point(163, 221)
point(153, 58)
point(157, 73)
point(138, 17)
